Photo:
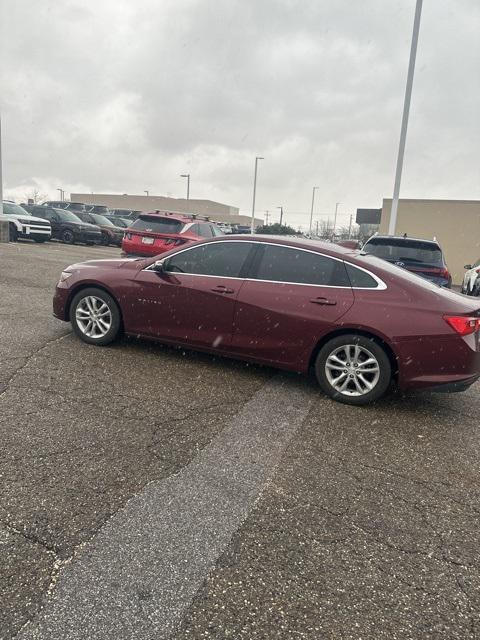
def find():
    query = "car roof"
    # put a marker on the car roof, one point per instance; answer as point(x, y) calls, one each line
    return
point(176, 215)
point(409, 238)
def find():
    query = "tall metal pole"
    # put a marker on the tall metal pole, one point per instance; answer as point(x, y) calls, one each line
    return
point(281, 214)
point(311, 210)
point(406, 111)
point(252, 224)
point(350, 227)
point(335, 219)
point(146, 192)
point(1, 178)
point(61, 193)
point(317, 228)
point(187, 176)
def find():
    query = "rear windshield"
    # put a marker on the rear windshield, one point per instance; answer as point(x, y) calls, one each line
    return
point(157, 224)
point(404, 250)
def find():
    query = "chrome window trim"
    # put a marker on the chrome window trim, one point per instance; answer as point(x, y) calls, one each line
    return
point(381, 284)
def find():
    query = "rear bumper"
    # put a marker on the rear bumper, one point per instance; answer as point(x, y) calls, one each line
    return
point(438, 362)
point(137, 249)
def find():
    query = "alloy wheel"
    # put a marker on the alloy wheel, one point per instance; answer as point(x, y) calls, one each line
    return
point(93, 316)
point(352, 370)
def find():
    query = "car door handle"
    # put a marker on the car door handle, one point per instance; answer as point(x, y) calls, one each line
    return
point(324, 301)
point(222, 289)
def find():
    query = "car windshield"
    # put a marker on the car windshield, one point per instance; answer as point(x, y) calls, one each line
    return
point(68, 216)
point(101, 220)
point(157, 224)
point(404, 250)
point(12, 209)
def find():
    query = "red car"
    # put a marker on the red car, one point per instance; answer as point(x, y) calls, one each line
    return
point(154, 233)
point(358, 321)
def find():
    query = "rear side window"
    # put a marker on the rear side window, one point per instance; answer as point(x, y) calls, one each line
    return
point(360, 279)
point(213, 259)
point(286, 264)
point(157, 224)
point(205, 231)
point(405, 250)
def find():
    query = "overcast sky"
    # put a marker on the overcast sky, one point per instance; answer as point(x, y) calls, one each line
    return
point(118, 96)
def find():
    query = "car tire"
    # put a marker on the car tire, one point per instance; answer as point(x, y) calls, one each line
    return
point(92, 303)
point(345, 358)
point(13, 233)
point(105, 240)
point(68, 236)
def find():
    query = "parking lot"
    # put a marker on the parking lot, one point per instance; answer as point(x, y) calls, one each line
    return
point(186, 496)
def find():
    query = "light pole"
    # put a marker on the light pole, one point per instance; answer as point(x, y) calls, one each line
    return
point(335, 219)
point(406, 111)
point(311, 210)
point(146, 191)
point(62, 197)
point(252, 224)
point(281, 214)
point(187, 176)
point(267, 216)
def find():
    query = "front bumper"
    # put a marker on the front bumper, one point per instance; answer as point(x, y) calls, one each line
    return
point(88, 236)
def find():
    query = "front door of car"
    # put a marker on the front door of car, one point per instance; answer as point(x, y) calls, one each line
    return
point(292, 298)
point(192, 300)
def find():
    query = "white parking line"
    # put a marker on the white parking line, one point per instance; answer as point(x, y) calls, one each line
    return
point(141, 572)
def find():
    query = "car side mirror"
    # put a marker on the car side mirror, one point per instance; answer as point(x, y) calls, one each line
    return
point(467, 266)
point(159, 266)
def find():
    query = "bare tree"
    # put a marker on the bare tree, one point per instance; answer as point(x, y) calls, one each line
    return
point(36, 195)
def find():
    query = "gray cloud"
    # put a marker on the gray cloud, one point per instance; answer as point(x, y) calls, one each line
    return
point(124, 95)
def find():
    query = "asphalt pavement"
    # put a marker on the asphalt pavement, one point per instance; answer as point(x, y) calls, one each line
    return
point(149, 492)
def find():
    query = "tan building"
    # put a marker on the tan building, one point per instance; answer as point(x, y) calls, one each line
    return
point(215, 210)
point(454, 223)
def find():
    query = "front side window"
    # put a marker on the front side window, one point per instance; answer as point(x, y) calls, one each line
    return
point(216, 259)
point(288, 264)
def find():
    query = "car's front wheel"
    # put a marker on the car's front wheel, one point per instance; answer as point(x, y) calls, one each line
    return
point(95, 316)
point(353, 369)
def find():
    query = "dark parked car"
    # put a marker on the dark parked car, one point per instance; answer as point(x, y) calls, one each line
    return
point(97, 208)
point(66, 226)
point(63, 204)
point(125, 213)
point(118, 221)
point(423, 257)
point(111, 234)
point(359, 321)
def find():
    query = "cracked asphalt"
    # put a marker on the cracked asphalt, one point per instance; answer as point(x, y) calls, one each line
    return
point(364, 524)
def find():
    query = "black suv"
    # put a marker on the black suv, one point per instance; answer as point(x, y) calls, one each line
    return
point(423, 257)
point(66, 226)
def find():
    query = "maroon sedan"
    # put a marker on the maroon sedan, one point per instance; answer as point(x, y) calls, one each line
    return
point(358, 321)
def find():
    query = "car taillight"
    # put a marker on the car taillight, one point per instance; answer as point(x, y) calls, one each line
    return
point(463, 325)
point(444, 273)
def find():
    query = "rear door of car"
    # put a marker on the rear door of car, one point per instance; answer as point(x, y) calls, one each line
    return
point(49, 214)
point(193, 300)
point(291, 298)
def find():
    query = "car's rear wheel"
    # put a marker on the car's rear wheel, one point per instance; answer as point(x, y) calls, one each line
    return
point(13, 233)
point(95, 316)
point(68, 237)
point(353, 369)
point(105, 239)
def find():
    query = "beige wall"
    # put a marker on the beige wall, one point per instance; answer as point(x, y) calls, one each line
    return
point(216, 210)
point(454, 223)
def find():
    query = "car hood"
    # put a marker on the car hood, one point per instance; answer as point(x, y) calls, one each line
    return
point(101, 264)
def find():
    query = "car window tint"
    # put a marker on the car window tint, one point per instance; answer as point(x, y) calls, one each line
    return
point(157, 224)
point(359, 278)
point(405, 250)
point(205, 231)
point(285, 264)
point(216, 230)
point(215, 259)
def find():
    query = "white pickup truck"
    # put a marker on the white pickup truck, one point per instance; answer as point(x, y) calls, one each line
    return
point(24, 225)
